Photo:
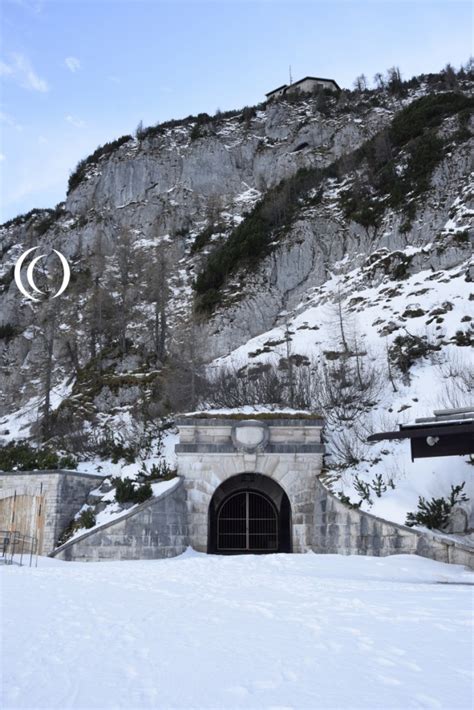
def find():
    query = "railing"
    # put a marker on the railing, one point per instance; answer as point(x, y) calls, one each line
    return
point(14, 544)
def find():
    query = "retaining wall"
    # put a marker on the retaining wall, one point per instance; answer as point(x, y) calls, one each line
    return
point(157, 528)
point(349, 531)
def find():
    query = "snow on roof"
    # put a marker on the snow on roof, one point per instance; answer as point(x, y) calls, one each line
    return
point(251, 412)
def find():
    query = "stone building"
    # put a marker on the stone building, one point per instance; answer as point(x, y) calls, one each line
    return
point(245, 485)
point(306, 85)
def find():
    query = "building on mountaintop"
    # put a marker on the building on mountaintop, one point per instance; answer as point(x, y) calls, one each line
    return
point(306, 85)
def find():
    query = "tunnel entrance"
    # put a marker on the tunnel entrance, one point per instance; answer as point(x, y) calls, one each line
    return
point(247, 522)
point(249, 514)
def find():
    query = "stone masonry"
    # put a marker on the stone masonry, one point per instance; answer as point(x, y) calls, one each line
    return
point(290, 451)
point(157, 528)
point(339, 529)
point(63, 494)
point(212, 450)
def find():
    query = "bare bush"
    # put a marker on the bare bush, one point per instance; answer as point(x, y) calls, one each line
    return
point(348, 447)
point(360, 83)
point(263, 384)
point(347, 387)
point(457, 372)
point(341, 389)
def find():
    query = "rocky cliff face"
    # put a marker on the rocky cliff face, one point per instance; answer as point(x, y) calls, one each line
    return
point(142, 219)
point(321, 240)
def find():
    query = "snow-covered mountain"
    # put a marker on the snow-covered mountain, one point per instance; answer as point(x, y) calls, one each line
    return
point(318, 246)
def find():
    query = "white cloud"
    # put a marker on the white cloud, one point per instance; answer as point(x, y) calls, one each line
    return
point(72, 63)
point(20, 70)
point(76, 122)
point(8, 120)
point(5, 69)
point(31, 5)
point(2, 157)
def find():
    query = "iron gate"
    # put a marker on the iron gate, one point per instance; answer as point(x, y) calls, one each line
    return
point(247, 521)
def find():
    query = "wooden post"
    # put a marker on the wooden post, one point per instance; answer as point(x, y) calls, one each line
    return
point(12, 523)
point(38, 522)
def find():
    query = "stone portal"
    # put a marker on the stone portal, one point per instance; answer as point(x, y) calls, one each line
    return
point(250, 482)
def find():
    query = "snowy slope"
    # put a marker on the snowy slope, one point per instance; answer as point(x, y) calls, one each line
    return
point(207, 632)
point(376, 307)
point(102, 499)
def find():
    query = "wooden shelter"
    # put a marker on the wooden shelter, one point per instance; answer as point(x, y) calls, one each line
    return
point(449, 432)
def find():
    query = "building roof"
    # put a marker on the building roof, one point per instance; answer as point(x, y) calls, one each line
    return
point(415, 431)
point(285, 87)
point(450, 432)
point(263, 415)
point(316, 78)
point(279, 88)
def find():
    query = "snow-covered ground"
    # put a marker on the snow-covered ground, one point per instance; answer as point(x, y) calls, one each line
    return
point(201, 632)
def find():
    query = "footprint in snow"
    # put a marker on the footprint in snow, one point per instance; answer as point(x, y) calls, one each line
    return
point(389, 680)
point(238, 690)
point(384, 661)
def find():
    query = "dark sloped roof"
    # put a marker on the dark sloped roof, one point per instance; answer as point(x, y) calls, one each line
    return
point(449, 433)
point(295, 83)
point(315, 78)
point(283, 86)
point(417, 432)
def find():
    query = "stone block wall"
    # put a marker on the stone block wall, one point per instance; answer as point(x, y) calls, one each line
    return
point(339, 529)
point(292, 456)
point(62, 492)
point(155, 529)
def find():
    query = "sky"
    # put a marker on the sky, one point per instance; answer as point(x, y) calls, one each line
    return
point(75, 74)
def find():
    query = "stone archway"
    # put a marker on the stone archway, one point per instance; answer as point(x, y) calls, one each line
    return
point(249, 514)
point(286, 449)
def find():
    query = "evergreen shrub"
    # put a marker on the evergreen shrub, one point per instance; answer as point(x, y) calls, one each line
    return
point(434, 513)
point(126, 490)
point(7, 331)
point(21, 456)
point(86, 519)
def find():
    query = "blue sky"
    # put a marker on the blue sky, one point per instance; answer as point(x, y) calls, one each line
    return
point(77, 73)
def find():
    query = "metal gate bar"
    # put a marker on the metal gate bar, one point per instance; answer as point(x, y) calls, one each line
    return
point(247, 522)
point(14, 543)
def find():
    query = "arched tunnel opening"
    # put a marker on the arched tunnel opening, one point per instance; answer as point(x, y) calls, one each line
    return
point(249, 514)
